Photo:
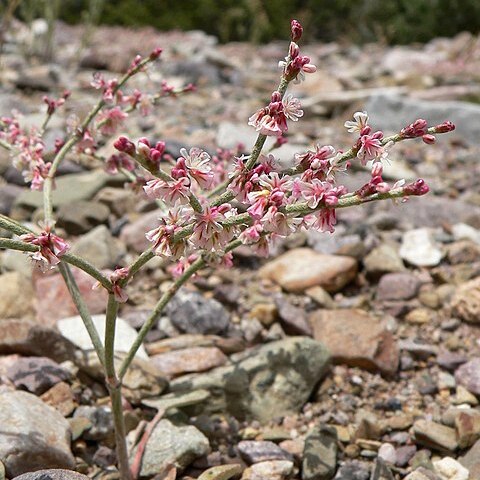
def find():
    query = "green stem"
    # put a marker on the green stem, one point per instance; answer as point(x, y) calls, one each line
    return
point(120, 432)
point(78, 262)
point(115, 388)
point(82, 310)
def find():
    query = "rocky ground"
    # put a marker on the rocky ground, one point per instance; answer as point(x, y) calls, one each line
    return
point(350, 356)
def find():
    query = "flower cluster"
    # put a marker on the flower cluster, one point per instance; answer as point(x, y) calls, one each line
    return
point(52, 247)
point(272, 120)
point(27, 149)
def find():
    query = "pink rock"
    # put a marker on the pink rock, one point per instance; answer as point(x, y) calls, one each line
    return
point(195, 359)
point(53, 300)
point(357, 339)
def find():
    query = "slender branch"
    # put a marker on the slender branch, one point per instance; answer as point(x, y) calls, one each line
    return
point(17, 245)
point(352, 152)
point(82, 310)
point(145, 257)
point(165, 298)
point(120, 432)
point(76, 137)
point(78, 262)
point(228, 195)
point(87, 267)
point(110, 322)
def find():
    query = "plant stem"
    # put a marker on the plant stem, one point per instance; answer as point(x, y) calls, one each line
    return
point(115, 389)
point(82, 310)
point(120, 432)
point(78, 262)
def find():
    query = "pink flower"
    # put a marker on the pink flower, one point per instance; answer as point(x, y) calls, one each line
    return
point(295, 65)
point(162, 237)
point(170, 192)
point(117, 162)
point(197, 164)
point(110, 120)
point(251, 234)
point(52, 247)
point(292, 108)
point(271, 120)
point(115, 277)
point(278, 222)
point(208, 232)
point(371, 148)
point(317, 192)
point(296, 30)
point(325, 220)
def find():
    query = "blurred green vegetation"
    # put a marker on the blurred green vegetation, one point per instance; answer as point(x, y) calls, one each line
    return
point(392, 21)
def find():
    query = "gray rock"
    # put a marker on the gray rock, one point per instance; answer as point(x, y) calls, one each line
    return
point(81, 216)
point(383, 259)
point(100, 248)
point(320, 454)
point(52, 474)
point(74, 329)
point(172, 445)
point(293, 319)
point(353, 470)
point(397, 286)
point(420, 249)
point(191, 312)
point(8, 194)
point(394, 112)
point(101, 420)
point(268, 382)
point(468, 375)
point(69, 189)
point(260, 451)
point(33, 435)
point(36, 374)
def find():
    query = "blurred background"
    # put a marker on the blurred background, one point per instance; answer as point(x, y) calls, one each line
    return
point(391, 21)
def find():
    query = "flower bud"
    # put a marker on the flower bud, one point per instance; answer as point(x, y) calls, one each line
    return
point(429, 139)
point(155, 53)
point(123, 144)
point(419, 187)
point(296, 30)
point(444, 127)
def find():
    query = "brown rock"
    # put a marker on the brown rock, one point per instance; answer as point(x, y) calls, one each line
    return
point(302, 268)
point(196, 359)
point(357, 339)
point(27, 338)
point(17, 294)
point(60, 397)
point(435, 435)
point(465, 303)
point(467, 424)
point(53, 300)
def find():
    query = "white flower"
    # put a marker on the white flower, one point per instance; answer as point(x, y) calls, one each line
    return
point(361, 121)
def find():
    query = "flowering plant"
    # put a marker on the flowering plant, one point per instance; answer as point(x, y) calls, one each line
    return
point(211, 204)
